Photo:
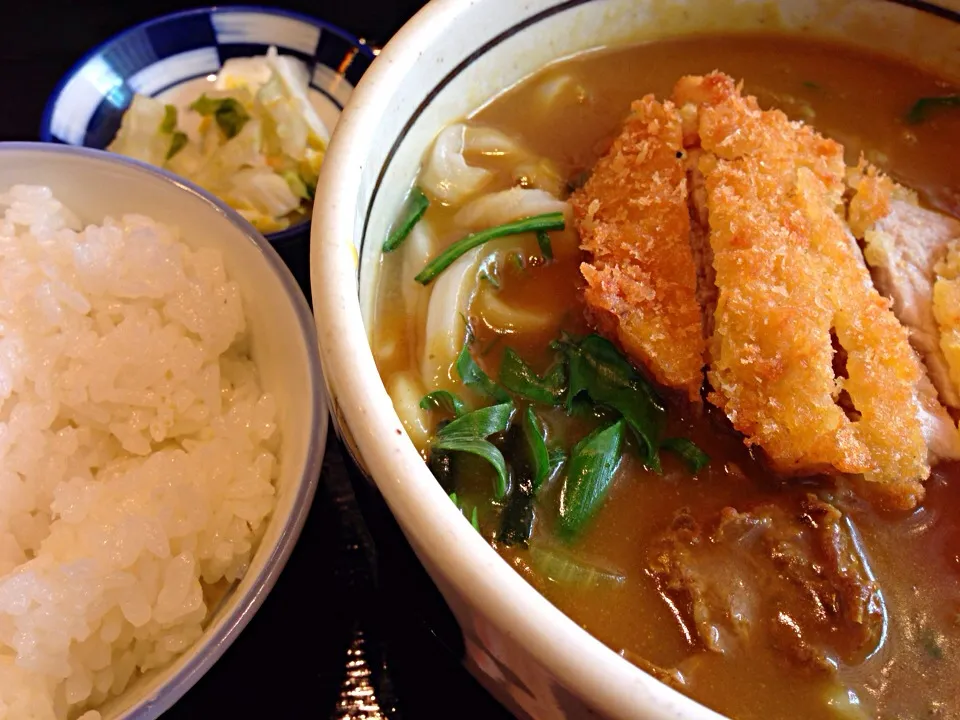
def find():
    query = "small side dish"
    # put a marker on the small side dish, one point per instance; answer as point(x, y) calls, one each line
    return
point(138, 451)
point(252, 137)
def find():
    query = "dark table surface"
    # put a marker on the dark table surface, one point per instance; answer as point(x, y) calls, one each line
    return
point(353, 628)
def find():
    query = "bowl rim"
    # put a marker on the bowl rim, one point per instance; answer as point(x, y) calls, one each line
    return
point(224, 631)
point(437, 529)
point(46, 118)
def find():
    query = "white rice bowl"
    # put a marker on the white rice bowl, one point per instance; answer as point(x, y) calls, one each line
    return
point(138, 453)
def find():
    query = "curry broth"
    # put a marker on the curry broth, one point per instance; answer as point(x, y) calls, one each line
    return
point(915, 557)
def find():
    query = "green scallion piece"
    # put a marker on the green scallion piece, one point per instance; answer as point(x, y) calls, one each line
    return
point(536, 223)
point(922, 108)
point(414, 208)
point(695, 458)
point(543, 240)
point(444, 401)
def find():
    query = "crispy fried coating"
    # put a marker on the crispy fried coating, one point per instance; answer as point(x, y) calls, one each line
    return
point(790, 277)
point(634, 222)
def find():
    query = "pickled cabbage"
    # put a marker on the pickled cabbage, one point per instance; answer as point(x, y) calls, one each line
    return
point(258, 145)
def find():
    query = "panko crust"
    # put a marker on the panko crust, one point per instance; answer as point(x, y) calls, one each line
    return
point(789, 276)
point(633, 220)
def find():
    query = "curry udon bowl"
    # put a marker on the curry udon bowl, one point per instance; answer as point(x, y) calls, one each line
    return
point(448, 61)
point(282, 342)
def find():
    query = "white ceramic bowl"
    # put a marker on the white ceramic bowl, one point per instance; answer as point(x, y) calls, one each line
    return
point(447, 61)
point(283, 343)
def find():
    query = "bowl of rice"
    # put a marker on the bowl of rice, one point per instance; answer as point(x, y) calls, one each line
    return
point(162, 428)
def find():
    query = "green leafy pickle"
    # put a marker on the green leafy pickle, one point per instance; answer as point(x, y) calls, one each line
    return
point(228, 113)
point(178, 141)
point(169, 123)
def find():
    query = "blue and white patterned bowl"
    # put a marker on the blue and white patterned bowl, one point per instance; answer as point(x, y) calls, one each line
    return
point(160, 55)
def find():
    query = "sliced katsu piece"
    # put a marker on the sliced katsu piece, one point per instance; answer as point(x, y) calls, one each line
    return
point(700, 242)
point(633, 220)
point(791, 282)
point(904, 244)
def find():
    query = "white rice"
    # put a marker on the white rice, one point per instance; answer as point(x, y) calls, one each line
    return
point(137, 451)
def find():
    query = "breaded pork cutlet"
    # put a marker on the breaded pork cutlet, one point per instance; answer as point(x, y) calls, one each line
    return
point(904, 244)
point(791, 282)
point(634, 223)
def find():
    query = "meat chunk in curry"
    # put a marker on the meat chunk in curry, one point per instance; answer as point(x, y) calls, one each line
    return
point(791, 576)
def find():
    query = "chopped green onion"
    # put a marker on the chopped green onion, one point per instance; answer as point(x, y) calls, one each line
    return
point(483, 449)
point(516, 520)
point(547, 221)
point(922, 108)
point(441, 465)
point(177, 143)
point(517, 377)
point(468, 434)
point(228, 113)
point(475, 378)
point(473, 515)
point(536, 442)
point(490, 278)
point(597, 369)
point(543, 240)
point(535, 435)
point(169, 123)
point(695, 458)
point(557, 457)
point(444, 401)
point(478, 423)
point(558, 566)
point(414, 208)
point(592, 465)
